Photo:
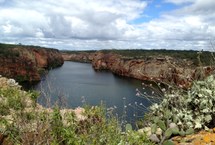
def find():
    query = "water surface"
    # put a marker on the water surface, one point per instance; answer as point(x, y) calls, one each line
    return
point(74, 84)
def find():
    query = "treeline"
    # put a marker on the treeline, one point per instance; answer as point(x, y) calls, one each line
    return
point(197, 57)
point(78, 52)
point(6, 50)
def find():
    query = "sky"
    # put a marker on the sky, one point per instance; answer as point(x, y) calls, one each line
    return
point(109, 24)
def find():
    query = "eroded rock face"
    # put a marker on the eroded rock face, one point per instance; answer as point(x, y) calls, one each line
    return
point(161, 69)
point(26, 64)
point(79, 57)
point(165, 69)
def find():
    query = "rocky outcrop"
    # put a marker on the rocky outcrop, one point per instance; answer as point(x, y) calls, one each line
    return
point(166, 69)
point(27, 63)
point(162, 69)
point(78, 57)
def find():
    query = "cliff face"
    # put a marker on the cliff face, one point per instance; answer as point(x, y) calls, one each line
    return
point(26, 63)
point(79, 57)
point(164, 69)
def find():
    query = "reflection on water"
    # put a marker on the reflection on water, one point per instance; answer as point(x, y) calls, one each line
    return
point(74, 83)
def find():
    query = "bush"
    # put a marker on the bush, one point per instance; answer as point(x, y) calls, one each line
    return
point(23, 121)
point(181, 112)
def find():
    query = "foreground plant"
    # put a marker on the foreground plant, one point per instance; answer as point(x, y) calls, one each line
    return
point(23, 121)
point(183, 112)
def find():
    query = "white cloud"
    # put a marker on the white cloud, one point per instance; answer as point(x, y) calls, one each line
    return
point(93, 19)
point(178, 2)
point(98, 24)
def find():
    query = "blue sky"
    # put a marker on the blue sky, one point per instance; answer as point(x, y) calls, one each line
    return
point(154, 10)
point(99, 24)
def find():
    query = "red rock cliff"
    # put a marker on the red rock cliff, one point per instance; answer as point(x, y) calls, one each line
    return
point(79, 57)
point(26, 63)
point(164, 69)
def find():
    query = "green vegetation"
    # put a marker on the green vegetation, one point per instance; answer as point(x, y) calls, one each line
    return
point(180, 112)
point(9, 46)
point(78, 52)
point(7, 49)
point(183, 112)
point(23, 121)
point(206, 57)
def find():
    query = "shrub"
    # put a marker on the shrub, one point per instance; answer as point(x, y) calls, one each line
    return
point(23, 121)
point(182, 112)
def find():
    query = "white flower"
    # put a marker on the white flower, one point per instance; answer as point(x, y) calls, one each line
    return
point(154, 107)
point(163, 90)
point(138, 94)
point(12, 82)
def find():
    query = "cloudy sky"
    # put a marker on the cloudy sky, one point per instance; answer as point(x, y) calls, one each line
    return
point(107, 24)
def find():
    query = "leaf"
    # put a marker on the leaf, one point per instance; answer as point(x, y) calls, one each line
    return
point(168, 132)
point(175, 130)
point(168, 142)
point(153, 128)
point(175, 119)
point(167, 114)
point(208, 118)
point(189, 131)
point(156, 119)
point(162, 125)
point(182, 133)
point(128, 127)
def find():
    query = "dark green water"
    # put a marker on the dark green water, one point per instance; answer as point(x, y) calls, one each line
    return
point(76, 83)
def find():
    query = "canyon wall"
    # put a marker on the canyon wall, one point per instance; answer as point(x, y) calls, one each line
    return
point(166, 69)
point(78, 56)
point(27, 63)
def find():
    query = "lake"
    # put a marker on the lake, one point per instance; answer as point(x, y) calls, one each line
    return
point(75, 84)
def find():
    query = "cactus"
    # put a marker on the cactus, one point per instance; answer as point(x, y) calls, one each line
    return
point(183, 112)
point(168, 142)
point(168, 133)
point(189, 131)
point(162, 125)
point(153, 128)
